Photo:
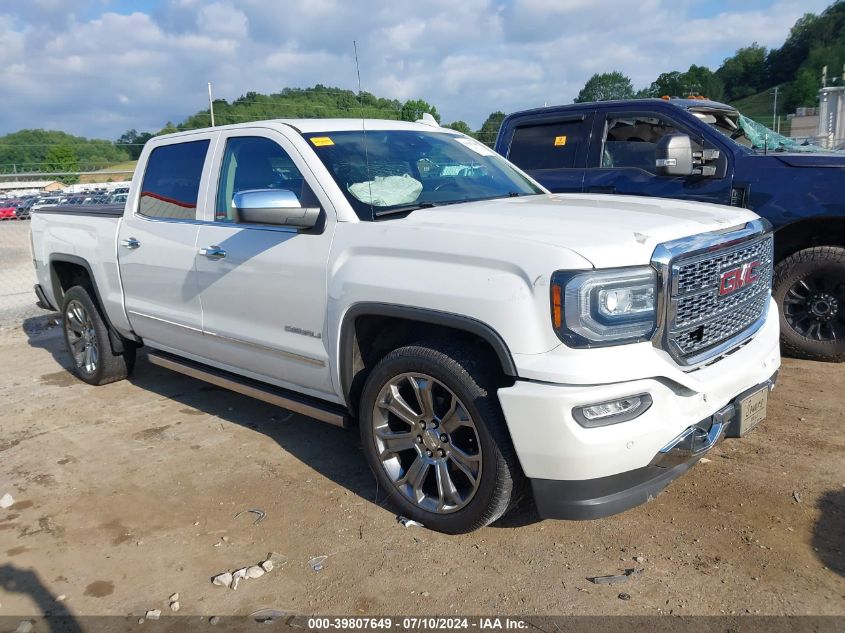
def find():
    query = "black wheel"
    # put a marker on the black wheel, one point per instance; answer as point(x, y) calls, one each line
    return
point(436, 439)
point(87, 340)
point(809, 287)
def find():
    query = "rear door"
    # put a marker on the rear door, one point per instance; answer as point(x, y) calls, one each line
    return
point(157, 245)
point(263, 288)
point(552, 149)
point(622, 157)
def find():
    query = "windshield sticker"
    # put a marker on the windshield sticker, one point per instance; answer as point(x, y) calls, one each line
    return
point(321, 141)
point(479, 148)
point(560, 140)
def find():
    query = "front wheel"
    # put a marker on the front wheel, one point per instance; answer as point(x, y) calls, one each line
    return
point(88, 342)
point(809, 287)
point(436, 439)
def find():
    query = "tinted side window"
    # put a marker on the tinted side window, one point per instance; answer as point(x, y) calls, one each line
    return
point(546, 146)
point(172, 181)
point(255, 162)
point(632, 141)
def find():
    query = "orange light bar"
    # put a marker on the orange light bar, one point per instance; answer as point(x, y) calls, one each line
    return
point(557, 319)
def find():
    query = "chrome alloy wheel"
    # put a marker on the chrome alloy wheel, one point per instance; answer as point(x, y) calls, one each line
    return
point(81, 337)
point(427, 443)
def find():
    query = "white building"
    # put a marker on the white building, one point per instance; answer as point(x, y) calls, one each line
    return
point(832, 117)
point(14, 188)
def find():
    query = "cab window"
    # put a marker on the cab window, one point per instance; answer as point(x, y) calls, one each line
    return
point(631, 141)
point(546, 146)
point(255, 162)
point(172, 181)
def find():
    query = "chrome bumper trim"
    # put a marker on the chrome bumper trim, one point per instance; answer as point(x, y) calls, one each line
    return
point(698, 439)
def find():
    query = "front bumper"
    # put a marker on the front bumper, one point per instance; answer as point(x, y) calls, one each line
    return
point(604, 496)
point(579, 472)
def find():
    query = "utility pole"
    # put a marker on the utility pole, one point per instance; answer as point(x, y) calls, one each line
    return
point(210, 104)
point(775, 109)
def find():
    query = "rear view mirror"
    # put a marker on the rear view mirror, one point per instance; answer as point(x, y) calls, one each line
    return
point(677, 155)
point(277, 207)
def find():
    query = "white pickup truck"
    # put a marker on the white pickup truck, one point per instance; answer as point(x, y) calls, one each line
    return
point(488, 338)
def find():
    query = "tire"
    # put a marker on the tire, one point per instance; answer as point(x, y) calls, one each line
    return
point(809, 287)
point(465, 411)
point(88, 342)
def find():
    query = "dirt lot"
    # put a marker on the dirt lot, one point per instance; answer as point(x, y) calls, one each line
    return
point(125, 494)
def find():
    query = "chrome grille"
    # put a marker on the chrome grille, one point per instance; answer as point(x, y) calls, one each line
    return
point(698, 322)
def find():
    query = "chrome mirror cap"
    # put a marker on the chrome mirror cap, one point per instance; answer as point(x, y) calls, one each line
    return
point(279, 207)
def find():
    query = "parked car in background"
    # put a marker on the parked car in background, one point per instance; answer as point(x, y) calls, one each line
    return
point(8, 210)
point(46, 202)
point(480, 330)
point(24, 207)
point(118, 198)
point(704, 151)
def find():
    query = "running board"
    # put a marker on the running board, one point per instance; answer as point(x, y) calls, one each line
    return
point(312, 407)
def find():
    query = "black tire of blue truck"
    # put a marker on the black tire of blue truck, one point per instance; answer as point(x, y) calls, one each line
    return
point(820, 263)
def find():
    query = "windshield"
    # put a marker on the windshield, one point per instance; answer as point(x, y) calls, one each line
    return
point(382, 172)
point(748, 133)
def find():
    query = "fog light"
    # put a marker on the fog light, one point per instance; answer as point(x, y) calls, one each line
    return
point(612, 412)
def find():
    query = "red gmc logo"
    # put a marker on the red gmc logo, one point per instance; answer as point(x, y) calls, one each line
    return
point(737, 278)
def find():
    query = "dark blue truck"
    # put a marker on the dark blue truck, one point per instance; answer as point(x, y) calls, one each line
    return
point(696, 149)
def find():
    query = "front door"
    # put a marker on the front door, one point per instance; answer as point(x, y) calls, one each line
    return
point(263, 288)
point(622, 160)
point(157, 246)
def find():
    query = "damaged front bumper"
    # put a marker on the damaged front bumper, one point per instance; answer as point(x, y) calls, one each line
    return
point(604, 496)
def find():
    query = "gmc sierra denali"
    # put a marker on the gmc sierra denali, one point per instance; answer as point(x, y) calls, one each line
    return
point(486, 336)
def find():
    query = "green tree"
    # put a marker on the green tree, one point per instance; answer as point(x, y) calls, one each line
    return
point(605, 87)
point(62, 158)
point(490, 128)
point(133, 142)
point(697, 81)
point(744, 73)
point(412, 110)
point(459, 126)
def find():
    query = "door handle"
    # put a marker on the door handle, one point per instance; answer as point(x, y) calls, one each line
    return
point(130, 242)
point(601, 189)
point(213, 252)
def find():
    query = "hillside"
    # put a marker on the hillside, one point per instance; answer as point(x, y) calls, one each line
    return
point(317, 102)
point(125, 169)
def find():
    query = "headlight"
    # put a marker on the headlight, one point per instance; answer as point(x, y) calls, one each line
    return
point(604, 307)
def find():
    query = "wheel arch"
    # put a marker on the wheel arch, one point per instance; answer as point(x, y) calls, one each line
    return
point(370, 330)
point(807, 233)
point(68, 270)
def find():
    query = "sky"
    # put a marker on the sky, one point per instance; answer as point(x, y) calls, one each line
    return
point(99, 67)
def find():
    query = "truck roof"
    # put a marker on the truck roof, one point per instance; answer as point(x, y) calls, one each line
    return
point(686, 104)
point(310, 126)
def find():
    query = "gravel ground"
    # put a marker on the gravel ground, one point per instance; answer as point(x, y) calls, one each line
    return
point(126, 494)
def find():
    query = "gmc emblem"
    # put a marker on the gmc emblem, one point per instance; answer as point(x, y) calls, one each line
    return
point(737, 278)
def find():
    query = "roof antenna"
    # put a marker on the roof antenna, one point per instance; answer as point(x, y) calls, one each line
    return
point(364, 130)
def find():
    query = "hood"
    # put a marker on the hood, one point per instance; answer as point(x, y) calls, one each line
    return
point(811, 160)
point(607, 230)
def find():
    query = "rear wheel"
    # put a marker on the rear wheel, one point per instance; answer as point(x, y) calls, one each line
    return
point(88, 342)
point(436, 439)
point(809, 286)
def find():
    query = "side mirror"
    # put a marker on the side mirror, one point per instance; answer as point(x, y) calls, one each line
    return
point(673, 156)
point(278, 207)
point(677, 155)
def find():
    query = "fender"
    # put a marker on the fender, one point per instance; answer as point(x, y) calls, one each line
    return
point(117, 341)
point(423, 315)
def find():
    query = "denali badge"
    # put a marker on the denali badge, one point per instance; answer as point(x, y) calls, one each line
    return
point(736, 278)
point(299, 330)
